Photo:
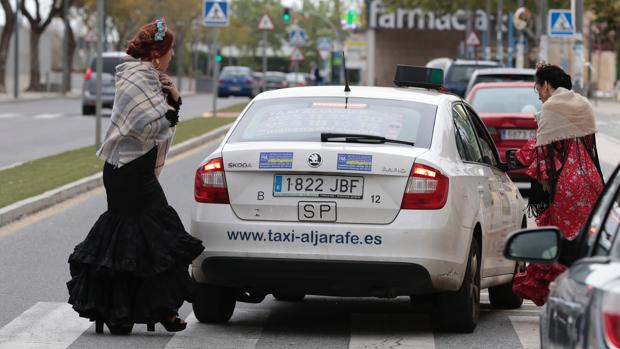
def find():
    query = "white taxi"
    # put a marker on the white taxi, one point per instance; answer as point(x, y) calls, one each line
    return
point(375, 191)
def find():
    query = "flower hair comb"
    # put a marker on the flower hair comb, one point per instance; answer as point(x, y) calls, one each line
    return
point(542, 64)
point(160, 24)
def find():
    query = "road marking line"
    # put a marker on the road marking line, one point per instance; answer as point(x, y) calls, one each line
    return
point(11, 166)
point(378, 331)
point(47, 115)
point(242, 332)
point(527, 330)
point(8, 115)
point(44, 325)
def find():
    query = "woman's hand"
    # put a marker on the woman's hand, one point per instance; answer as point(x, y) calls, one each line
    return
point(168, 86)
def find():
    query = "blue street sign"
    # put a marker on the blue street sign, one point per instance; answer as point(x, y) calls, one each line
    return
point(297, 37)
point(561, 23)
point(215, 13)
point(324, 44)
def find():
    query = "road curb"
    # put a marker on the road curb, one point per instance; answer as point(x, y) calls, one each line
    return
point(52, 197)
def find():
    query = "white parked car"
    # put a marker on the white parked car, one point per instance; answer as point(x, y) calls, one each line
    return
point(375, 192)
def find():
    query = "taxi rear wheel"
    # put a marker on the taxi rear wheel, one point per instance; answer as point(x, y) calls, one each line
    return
point(213, 304)
point(502, 297)
point(459, 311)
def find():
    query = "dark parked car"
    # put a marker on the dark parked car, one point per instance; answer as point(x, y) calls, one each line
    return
point(237, 81)
point(460, 71)
point(108, 89)
point(583, 310)
point(500, 75)
point(274, 80)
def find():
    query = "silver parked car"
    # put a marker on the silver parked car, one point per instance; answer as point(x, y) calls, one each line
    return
point(583, 310)
point(89, 88)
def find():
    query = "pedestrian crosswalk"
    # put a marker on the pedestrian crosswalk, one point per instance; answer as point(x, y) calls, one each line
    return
point(318, 322)
point(37, 116)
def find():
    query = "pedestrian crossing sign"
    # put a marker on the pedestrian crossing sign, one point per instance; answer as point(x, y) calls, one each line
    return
point(265, 23)
point(296, 55)
point(215, 13)
point(561, 23)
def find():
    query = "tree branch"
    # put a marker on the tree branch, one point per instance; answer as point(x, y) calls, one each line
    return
point(27, 14)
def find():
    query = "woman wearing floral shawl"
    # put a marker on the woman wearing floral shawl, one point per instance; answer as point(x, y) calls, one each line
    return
point(563, 161)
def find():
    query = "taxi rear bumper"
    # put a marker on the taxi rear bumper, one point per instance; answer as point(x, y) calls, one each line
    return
point(329, 278)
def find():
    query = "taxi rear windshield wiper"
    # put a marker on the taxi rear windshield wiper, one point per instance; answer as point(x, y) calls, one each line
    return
point(359, 138)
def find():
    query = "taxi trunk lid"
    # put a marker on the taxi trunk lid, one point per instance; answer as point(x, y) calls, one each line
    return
point(317, 182)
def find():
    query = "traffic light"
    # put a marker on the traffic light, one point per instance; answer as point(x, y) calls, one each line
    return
point(218, 56)
point(286, 14)
point(351, 16)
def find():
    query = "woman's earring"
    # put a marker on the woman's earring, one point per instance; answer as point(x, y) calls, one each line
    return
point(156, 63)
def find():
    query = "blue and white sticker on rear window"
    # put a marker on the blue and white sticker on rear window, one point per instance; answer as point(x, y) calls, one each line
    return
point(276, 160)
point(354, 162)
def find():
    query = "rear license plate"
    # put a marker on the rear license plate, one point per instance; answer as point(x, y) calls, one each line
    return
point(234, 88)
point(316, 211)
point(343, 187)
point(517, 134)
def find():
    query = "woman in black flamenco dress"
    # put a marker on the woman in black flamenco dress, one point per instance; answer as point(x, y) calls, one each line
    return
point(133, 265)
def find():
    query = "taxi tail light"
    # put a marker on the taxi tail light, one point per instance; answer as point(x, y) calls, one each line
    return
point(249, 82)
point(611, 318)
point(87, 74)
point(210, 183)
point(221, 81)
point(427, 189)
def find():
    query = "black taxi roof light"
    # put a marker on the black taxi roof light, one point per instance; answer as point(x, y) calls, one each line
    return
point(412, 76)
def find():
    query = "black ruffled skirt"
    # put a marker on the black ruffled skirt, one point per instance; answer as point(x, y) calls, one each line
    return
point(133, 265)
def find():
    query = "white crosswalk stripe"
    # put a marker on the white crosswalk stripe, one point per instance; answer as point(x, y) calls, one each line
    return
point(48, 116)
point(377, 331)
point(8, 115)
point(45, 325)
point(242, 333)
point(57, 326)
point(527, 330)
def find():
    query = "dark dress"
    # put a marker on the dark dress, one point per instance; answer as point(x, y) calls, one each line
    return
point(133, 265)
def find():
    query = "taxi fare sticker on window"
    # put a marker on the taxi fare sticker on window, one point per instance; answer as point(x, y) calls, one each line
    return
point(276, 160)
point(355, 162)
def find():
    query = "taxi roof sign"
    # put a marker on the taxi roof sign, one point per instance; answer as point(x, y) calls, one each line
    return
point(412, 76)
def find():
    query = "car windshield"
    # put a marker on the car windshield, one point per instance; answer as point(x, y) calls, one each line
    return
point(109, 64)
point(462, 73)
point(503, 78)
point(506, 100)
point(235, 72)
point(304, 119)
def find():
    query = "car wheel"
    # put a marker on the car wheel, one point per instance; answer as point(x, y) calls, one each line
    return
point(88, 110)
point(289, 297)
point(459, 310)
point(213, 304)
point(502, 297)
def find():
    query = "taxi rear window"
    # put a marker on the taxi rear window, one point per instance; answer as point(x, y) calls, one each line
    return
point(304, 119)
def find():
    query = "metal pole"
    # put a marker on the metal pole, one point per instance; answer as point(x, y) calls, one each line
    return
point(468, 30)
point(511, 41)
point(99, 67)
point(487, 34)
point(264, 54)
point(65, 49)
point(216, 69)
point(16, 53)
point(499, 55)
point(520, 62)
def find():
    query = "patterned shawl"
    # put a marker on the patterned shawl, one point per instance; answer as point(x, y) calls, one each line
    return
point(565, 115)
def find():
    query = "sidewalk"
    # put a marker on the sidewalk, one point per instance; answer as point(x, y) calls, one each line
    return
point(36, 96)
point(606, 106)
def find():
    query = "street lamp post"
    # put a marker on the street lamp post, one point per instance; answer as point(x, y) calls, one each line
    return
point(336, 32)
point(16, 53)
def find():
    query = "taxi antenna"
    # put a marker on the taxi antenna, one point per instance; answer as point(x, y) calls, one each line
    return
point(346, 78)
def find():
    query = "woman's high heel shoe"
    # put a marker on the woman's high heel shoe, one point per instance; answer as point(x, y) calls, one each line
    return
point(174, 325)
point(119, 330)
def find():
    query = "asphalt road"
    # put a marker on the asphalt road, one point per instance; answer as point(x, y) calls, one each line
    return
point(34, 129)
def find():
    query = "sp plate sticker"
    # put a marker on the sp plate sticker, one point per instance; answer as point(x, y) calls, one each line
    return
point(276, 160)
point(355, 162)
